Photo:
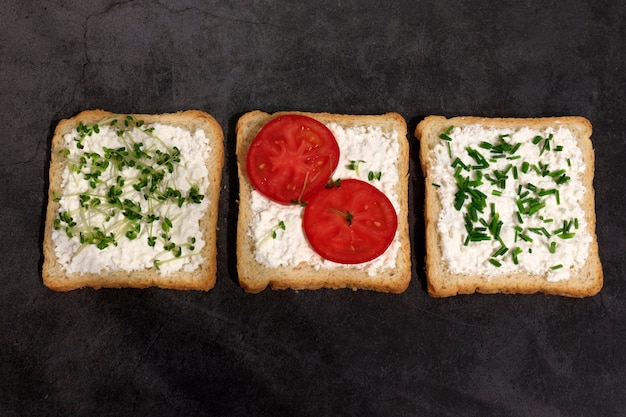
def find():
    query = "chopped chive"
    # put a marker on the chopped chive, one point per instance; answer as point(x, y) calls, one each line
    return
point(445, 137)
point(567, 235)
point(496, 193)
point(535, 208)
point(472, 212)
point(557, 173)
point(478, 157)
point(469, 226)
point(479, 236)
point(525, 166)
point(552, 248)
point(500, 252)
point(495, 262)
point(537, 139)
point(449, 130)
point(546, 145)
point(566, 226)
point(515, 253)
point(436, 185)
point(559, 266)
point(534, 167)
point(526, 238)
point(458, 162)
point(562, 179)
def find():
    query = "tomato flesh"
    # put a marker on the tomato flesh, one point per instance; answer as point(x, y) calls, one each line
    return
point(350, 224)
point(292, 157)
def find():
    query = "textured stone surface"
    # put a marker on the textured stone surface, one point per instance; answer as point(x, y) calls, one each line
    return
point(225, 353)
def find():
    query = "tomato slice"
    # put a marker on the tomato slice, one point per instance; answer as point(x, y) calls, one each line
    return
point(291, 158)
point(350, 224)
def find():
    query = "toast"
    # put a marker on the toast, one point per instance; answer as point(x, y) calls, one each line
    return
point(509, 206)
point(133, 201)
point(294, 264)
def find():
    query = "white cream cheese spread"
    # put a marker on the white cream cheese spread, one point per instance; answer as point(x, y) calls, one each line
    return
point(363, 149)
point(526, 188)
point(140, 209)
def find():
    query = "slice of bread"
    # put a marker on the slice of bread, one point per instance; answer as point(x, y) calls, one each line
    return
point(136, 219)
point(541, 232)
point(306, 269)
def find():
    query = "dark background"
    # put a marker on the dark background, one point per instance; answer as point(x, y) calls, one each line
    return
point(310, 353)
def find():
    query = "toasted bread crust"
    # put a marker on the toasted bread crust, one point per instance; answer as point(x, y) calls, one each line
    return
point(441, 282)
point(204, 277)
point(254, 277)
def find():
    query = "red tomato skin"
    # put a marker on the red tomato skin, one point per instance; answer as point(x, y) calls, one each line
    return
point(366, 236)
point(291, 158)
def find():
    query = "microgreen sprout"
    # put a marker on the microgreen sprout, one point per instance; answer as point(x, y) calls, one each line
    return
point(354, 166)
point(346, 215)
point(280, 226)
point(333, 183)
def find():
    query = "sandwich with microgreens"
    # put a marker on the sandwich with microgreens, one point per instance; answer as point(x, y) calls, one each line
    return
point(509, 206)
point(323, 202)
point(133, 201)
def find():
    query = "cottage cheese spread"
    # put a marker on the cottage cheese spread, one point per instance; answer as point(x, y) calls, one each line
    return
point(134, 254)
point(542, 247)
point(370, 145)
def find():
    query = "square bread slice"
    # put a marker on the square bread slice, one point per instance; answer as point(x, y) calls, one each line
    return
point(509, 206)
point(288, 261)
point(133, 201)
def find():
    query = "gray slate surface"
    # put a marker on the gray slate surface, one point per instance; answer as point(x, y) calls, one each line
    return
point(225, 353)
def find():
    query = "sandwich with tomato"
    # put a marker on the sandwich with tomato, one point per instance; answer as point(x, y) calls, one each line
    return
point(323, 201)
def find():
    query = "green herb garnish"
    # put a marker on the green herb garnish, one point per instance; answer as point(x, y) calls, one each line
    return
point(354, 166)
point(281, 226)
